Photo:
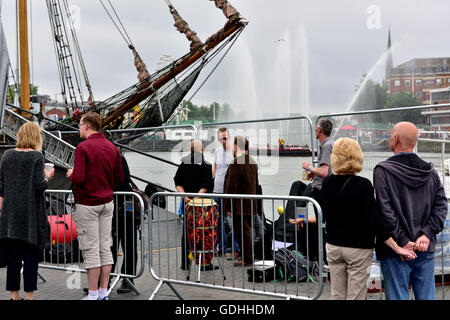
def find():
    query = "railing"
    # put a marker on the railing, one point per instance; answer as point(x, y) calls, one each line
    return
point(63, 253)
point(199, 229)
point(372, 129)
point(56, 150)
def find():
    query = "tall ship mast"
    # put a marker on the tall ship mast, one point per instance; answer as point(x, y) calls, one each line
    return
point(153, 99)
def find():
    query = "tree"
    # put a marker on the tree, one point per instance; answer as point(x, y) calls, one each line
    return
point(399, 100)
point(226, 113)
point(12, 92)
point(367, 99)
point(208, 113)
point(381, 95)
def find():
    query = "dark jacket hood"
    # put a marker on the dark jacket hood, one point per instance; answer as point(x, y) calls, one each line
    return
point(410, 176)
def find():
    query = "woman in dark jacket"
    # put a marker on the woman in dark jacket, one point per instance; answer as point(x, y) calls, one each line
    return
point(349, 209)
point(23, 220)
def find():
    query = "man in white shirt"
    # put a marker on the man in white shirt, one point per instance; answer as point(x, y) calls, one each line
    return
point(223, 157)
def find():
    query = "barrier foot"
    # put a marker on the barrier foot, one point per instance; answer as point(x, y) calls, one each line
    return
point(116, 280)
point(158, 287)
point(132, 286)
point(175, 291)
point(42, 277)
point(155, 292)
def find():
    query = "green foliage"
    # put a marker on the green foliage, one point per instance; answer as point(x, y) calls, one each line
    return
point(374, 96)
point(214, 111)
point(401, 99)
point(12, 92)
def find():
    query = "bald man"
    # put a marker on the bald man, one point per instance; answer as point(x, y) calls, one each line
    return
point(412, 208)
point(194, 175)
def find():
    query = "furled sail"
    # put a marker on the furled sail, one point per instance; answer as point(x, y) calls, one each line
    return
point(140, 65)
point(183, 27)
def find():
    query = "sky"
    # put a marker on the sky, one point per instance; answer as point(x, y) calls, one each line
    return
point(295, 56)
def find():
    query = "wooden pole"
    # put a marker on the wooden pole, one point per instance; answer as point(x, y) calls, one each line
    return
point(24, 58)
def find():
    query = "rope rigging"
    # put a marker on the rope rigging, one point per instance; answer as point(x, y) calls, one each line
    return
point(138, 62)
point(66, 61)
point(78, 53)
point(164, 89)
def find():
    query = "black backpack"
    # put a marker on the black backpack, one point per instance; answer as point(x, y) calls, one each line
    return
point(294, 265)
point(151, 189)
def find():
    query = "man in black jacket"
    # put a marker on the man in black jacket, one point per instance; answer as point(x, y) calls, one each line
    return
point(194, 175)
point(412, 207)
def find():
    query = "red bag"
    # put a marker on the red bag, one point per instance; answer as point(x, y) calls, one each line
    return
point(62, 228)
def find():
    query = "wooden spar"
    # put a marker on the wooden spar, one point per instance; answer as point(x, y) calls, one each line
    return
point(177, 69)
point(24, 58)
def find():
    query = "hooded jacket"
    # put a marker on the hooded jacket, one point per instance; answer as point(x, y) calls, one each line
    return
point(411, 202)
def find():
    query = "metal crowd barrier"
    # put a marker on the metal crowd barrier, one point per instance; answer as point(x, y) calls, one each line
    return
point(207, 267)
point(62, 252)
point(371, 128)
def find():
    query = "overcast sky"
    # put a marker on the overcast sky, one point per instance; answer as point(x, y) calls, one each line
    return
point(294, 55)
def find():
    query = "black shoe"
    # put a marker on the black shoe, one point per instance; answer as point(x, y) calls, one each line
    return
point(210, 267)
point(125, 287)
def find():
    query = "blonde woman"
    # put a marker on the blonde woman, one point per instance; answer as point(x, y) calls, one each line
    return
point(23, 220)
point(348, 206)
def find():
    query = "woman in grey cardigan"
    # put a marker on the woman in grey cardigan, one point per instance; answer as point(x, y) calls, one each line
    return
point(23, 220)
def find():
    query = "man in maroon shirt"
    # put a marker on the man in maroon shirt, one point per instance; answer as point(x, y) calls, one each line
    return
point(97, 170)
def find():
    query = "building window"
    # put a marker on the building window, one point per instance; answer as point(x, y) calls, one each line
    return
point(407, 83)
point(418, 83)
point(435, 96)
point(448, 80)
point(438, 82)
point(418, 94)
point(397, 83)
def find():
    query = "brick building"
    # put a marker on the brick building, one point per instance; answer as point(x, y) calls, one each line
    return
point(427, 79)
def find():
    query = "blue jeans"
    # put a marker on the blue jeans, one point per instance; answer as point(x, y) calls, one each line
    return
point(222, 242)
point(397, 275)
